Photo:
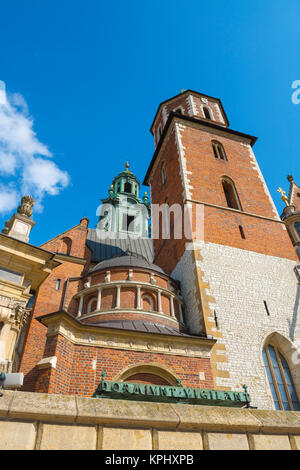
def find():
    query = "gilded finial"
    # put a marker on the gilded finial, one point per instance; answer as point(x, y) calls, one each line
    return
point(283, 196)
point(127, 166)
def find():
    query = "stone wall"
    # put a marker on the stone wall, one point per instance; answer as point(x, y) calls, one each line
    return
point(239, 282)
point(57, 422)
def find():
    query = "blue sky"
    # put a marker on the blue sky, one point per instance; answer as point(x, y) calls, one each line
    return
point(92, 74)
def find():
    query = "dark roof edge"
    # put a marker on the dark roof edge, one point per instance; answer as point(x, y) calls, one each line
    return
point(39, 248)
point(162, 274)
point(66, 314)
point(181, 94)
point(252, 138)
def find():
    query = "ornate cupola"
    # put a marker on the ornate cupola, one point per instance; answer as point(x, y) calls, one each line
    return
point(123, 212)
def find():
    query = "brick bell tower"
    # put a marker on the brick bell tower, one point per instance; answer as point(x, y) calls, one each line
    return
point(237, 270)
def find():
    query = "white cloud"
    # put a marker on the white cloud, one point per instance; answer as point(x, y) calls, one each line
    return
point(8, 199)
point(42, 176)
point(24, 157)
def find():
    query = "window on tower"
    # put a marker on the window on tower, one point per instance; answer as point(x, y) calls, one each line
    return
point(280, 379)
point(127, 187)
point(207, 113)
point(219, 151)
point(163, 174)
point(178, 110)
point(297, 227)
point(231, 194)
point(128, 223)
point(159, 133)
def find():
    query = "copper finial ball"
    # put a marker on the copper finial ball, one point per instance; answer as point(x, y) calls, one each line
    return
point(127, 165)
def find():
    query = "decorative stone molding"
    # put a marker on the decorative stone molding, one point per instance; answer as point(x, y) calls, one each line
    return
point(47, 362)
point(79, 334)
point(11, 311)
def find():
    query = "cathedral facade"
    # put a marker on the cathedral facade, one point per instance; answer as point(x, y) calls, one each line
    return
point(206, 296)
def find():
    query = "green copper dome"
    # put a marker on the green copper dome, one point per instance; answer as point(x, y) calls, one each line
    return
point(123, 211)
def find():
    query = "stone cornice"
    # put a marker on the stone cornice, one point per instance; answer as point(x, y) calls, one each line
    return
point(236, 211)
point(69, 259)
point(136, 311)
point(61, 323)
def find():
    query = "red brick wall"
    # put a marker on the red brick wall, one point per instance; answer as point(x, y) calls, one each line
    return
point(183, 102)
point(74, 373)
point(48, 300)
point(168, 252)
point(205, 174)
point(77, 235)
point(147, 379)
point(134, 316)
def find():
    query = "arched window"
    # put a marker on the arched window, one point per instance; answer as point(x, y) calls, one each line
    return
point(66, 244)
point(280, 379)
point(178, 110)
point(163, 174)
point(297, 227)
point(219, 151)
point(148, 303)
point(92, 305)
point(231, 194)
point(148, 373)
point(159, 133)
point(1, 326)
point(127, 187)
point(207, 113)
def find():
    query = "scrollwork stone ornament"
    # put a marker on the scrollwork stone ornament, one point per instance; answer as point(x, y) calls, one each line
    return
point(19, 312)
point(25, 209)
point(6, 228)
point(296, 354)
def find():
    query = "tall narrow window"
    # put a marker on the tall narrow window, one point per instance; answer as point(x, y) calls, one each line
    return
point(163, 175)
point(159, 133)
point(280, 380)
point(231, 194)
point(267, 308)
point(127, 187)
point(128, 223)
point(242, 232)
point(297, 227)
point(207, 112)
point(57, 285)
point(219, 151)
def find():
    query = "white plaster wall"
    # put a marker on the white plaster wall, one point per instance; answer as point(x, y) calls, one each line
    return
point(240, 281)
